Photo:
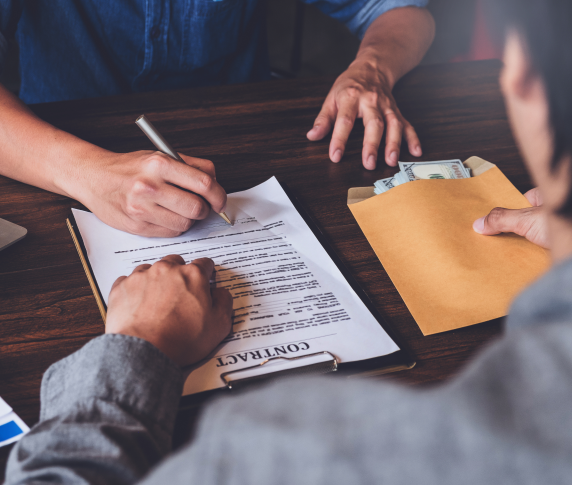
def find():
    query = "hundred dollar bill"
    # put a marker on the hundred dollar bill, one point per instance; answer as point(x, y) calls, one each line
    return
point(446, 169)
point(384, 185)
point(410, 171)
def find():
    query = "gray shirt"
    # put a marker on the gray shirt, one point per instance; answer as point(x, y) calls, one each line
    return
point(108, 413)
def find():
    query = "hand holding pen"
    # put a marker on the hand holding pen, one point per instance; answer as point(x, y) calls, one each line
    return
point(164, 147)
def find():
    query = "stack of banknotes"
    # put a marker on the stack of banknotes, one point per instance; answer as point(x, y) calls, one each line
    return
point(410, 171)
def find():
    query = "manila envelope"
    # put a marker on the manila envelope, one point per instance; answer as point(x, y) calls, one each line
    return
point(448, 275)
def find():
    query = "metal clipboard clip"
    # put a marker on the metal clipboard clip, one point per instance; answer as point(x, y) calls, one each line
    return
point(317, 363)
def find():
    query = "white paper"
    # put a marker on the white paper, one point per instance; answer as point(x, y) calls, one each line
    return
point(4, 407)
point(290, 299)
point(7, 416)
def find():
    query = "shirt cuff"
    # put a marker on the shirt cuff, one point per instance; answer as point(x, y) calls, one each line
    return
point(115, 368)
point(372, 9)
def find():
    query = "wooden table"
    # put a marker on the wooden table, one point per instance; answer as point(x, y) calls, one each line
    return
point(251, 132)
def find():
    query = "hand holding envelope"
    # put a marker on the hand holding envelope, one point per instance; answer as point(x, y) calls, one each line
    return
point(448, 275)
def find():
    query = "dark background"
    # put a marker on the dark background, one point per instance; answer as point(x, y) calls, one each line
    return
point(328, 47)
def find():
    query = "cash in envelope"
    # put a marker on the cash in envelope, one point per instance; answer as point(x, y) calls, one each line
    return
point(411, 171)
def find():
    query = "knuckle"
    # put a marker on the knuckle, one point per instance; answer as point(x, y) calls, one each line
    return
point(370, 147)
point(163, 266)
point(495, 216)
point(352, 92)
point(376, 122)
point(394, 121)
point(184, 226)
point(372, 98)
point(157, 163)
point(194, 271)
point(346, 120)
point(195, 211)
point(210, 167)
point(206, 182)
point(135, 211)
point(143, 188)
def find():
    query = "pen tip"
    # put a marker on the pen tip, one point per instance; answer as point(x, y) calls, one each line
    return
point(225, 217)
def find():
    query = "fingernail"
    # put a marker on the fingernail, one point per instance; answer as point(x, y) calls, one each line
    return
point(479, 225)
point(337, 156)
point(418, 151)
point(370, 162)
point(393, 157)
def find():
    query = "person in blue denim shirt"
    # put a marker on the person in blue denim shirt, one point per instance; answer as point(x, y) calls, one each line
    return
point(77, 49)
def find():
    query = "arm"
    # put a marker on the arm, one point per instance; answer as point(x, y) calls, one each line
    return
point(108, 410)
point(137, 192)
point(393, 44)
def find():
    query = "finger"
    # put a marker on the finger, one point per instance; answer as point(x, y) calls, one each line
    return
point(182, 204)
point(148, 229)
point(198, 274)
point(534, 197)
point(194, 180)
point(503, 220)
point(345, 119)
point(173, 259)
point(373, 124)
point(412, 139)
point(141, 268)
point(116, 283)
point(155, 216)
point(393, 137)
point(206, 267)
point(324, 121)
point(203, 165)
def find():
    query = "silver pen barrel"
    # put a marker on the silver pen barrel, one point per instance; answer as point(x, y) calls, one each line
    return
point(156, 137)
point(164, 147)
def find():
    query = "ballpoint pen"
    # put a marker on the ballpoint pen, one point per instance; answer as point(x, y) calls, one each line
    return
point(164, 147)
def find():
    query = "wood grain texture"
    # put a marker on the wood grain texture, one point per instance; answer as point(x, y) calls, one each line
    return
point(250, 132)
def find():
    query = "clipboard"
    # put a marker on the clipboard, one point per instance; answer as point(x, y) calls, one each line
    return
point(278, 367)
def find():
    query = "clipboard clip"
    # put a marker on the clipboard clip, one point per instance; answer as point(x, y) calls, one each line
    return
point(317, 363)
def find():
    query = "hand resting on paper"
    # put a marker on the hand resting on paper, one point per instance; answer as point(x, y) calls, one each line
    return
point(172, 305)
point(529, 223)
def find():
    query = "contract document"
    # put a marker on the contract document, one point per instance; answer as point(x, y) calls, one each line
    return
point(290, 298)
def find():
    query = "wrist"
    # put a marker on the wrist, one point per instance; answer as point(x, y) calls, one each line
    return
point(80, 171)
point(370, 59)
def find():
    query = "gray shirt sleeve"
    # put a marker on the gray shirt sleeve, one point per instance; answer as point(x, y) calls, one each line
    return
point(107, 416)
point(108, 412)
point(505, 420)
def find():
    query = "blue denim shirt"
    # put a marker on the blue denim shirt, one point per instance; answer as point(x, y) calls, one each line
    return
point(73, 49)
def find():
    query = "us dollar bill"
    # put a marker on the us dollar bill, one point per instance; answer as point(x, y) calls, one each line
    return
point(446, 169)
point(384, 185)
point(411, 171)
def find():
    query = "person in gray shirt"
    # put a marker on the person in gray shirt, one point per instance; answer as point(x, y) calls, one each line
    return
point(108, 410)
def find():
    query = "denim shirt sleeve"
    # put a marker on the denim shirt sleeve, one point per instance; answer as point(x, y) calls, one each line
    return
point(107, 416)
point(359, 14)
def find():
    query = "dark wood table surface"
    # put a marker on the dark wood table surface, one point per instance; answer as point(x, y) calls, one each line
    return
point(250, 132)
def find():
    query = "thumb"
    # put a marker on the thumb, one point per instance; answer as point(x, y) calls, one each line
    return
point(502, 220)
point(529, 223)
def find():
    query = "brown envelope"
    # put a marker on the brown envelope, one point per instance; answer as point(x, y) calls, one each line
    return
point(448, 275)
